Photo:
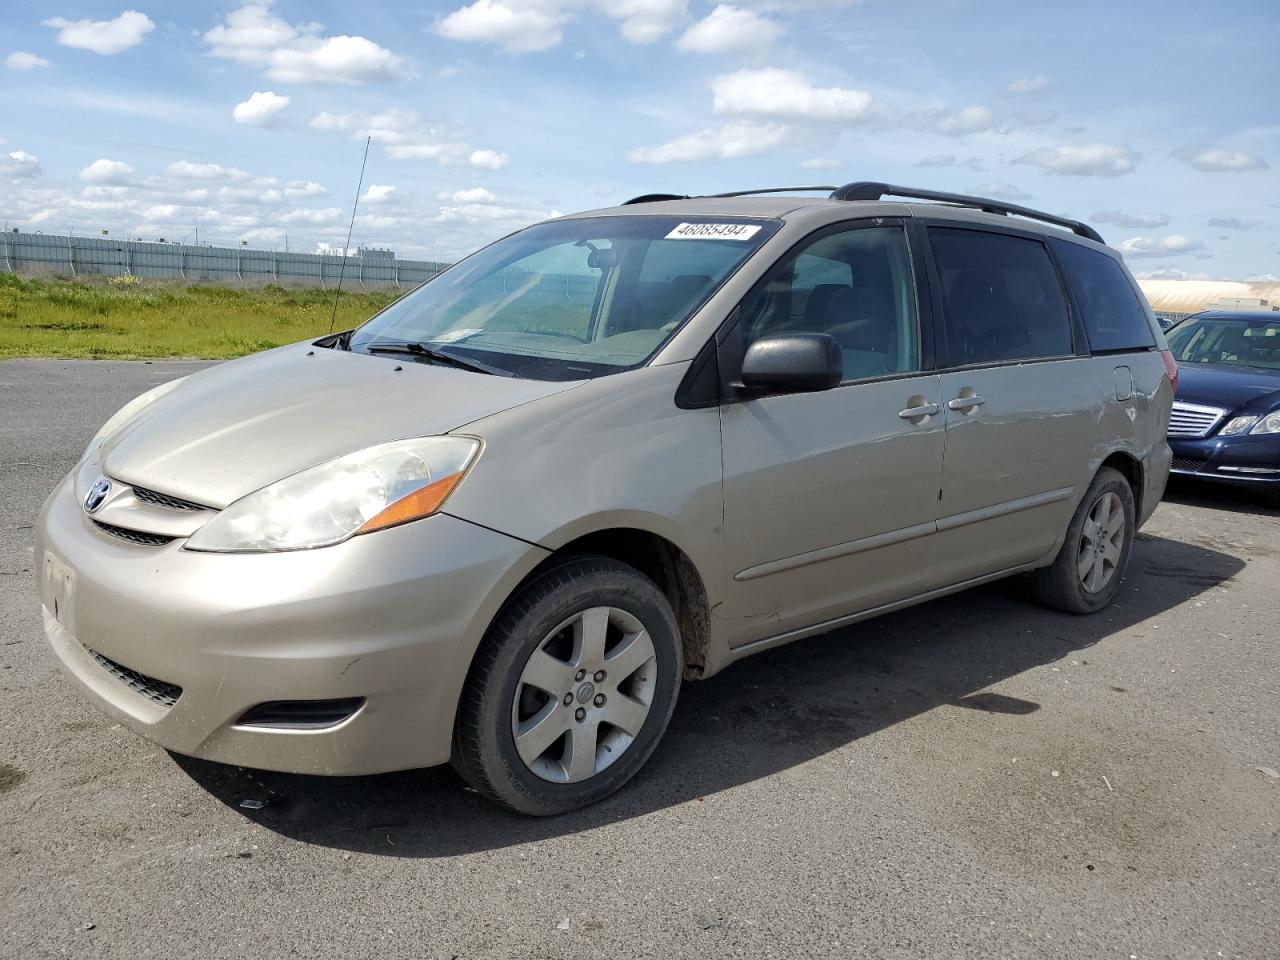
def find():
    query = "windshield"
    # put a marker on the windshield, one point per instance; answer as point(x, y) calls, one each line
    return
point(571, 299)
point(1239, 341)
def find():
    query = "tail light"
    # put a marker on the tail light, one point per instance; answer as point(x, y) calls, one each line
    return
point(1171, 368)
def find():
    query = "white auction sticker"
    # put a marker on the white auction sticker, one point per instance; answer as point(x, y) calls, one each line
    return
point(714, 231)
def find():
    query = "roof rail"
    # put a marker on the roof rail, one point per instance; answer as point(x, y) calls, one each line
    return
point(655, 198)
point(871, 190)
point(752, 193)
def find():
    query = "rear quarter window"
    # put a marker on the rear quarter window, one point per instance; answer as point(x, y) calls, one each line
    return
point(1114, 318)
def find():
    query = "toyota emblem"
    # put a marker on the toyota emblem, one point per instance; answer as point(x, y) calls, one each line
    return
point(97, 495)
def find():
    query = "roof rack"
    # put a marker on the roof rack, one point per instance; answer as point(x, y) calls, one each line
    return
point(870, 190)
point(655, 197)
point(874, 190)
point(752, 193)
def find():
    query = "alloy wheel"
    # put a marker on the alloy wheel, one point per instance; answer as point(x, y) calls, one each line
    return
point(584, 695)
point(1101, 543)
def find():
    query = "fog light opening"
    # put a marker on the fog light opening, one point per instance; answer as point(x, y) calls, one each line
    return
point(301, 714)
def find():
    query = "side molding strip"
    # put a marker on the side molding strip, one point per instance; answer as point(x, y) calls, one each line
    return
point(904, 534)
point(839, 550)
point(1000, 509)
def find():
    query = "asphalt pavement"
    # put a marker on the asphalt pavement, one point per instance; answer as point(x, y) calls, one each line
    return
point(974, 777)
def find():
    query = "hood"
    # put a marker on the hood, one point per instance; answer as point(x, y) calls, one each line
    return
point(1228, 386)
point(232, 429)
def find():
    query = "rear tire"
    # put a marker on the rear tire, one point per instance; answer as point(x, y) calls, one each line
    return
point(571, 689)
point(1272, 499)
point(1086, 574)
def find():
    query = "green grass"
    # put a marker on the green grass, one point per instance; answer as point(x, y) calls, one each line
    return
point(94, 318)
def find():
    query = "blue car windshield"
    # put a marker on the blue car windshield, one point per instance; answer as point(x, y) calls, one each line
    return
point(1238, 341)
point(571, 299)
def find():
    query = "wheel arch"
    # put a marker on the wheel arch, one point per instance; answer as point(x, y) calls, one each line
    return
point(1130, 467)
point(662, 561)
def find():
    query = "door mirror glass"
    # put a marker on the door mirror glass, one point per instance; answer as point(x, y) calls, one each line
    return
point(792, 363)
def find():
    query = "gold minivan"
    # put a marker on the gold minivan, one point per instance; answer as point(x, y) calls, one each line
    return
point(501, 522)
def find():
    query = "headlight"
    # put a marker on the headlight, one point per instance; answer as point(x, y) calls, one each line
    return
point(1252, 425)
point(125, 414)
point(380, 487)
point(1268, 424)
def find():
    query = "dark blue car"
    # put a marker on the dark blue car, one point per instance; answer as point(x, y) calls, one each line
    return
point(1225, 424)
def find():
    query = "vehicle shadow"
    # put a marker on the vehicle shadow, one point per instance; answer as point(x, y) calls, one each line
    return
point(762, 716)
point(1217, 496)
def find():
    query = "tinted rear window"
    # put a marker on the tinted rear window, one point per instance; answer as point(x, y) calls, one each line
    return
point(1001, 296)
point(1114, 318)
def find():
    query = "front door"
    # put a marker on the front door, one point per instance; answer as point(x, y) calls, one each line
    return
point(830, 497)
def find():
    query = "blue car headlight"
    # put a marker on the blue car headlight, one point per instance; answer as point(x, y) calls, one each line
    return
point(1252, 425)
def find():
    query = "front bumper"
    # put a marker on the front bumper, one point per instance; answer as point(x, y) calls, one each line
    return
point(1245, 461)
point(393, 617)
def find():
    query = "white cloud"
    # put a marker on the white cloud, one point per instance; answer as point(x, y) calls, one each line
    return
point(21, 60)
point(19, 164)
point(955, 122)
point(729, 29)
point(254, 36)
point(1215, 160)
point(726, 142)
point(823, 163)
point(1170, 273)
point(527, 26)
point(324, 120)
point(106, 37)
point(378, 193)
point(305, 188)
point(474, 195)
point(491, 213)
point(403, 135)
point(1140, 221)
point(1001, 190)
point(1174, 243)
point(1024, 85)
point(1086, 160)
point(186, 170)
point(161, 212)
point(644, 21)
point(488, 159)
point(517, 27)
point(262, 109)
point(327, 215)
point(785, 94)
point(106, 171)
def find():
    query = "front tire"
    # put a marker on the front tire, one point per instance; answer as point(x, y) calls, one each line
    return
point(571, 689)
point(1086, 574)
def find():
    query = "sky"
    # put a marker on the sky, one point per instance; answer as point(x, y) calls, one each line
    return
point(1158, 122)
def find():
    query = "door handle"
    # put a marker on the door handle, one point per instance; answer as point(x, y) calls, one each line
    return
point(923, 410)
point(966, 403)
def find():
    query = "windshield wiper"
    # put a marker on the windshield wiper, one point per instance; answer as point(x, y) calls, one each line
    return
point(417, 349)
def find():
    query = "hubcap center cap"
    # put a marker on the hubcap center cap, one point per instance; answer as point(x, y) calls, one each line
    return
point(586, 692)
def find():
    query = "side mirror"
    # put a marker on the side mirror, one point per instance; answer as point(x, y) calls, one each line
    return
point(792, 363)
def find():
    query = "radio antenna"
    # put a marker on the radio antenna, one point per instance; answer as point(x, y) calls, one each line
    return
point(355, 205)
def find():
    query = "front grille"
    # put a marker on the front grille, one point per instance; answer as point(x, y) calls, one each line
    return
point(164, 500)
point(133, 536)
point(157, 691)
point(1186, 464)
point(1193, 420)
